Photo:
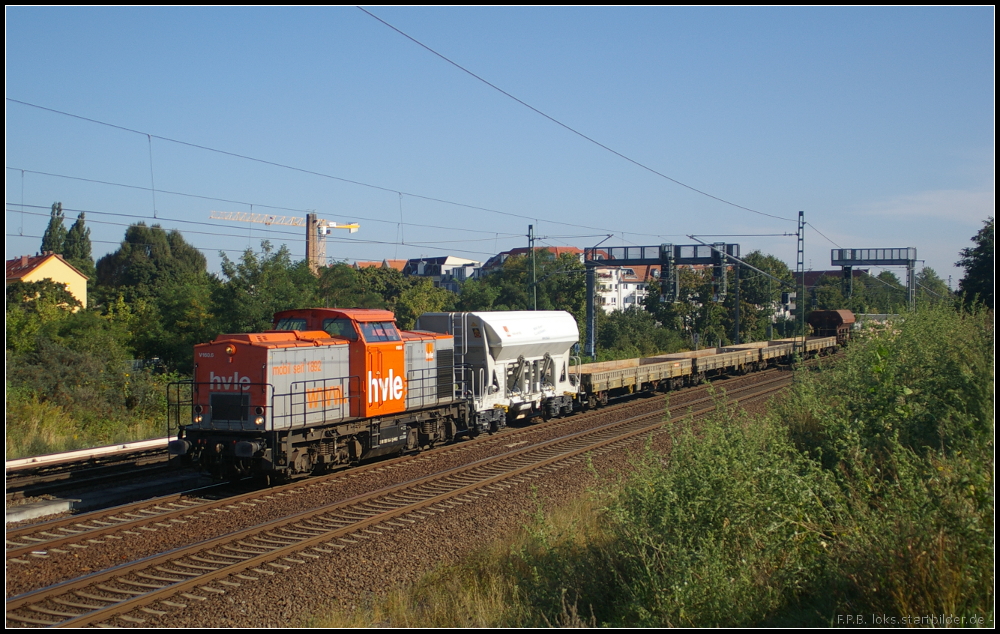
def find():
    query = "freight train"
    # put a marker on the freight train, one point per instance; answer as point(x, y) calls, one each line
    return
point(329, 387)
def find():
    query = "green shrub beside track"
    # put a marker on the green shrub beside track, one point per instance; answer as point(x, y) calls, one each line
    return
point(866, 493)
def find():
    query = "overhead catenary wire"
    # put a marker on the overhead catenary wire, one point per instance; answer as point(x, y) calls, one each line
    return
point(277, 231)
point(241, 202)
point(573, 130)
point(301, 170)
point(150, 136)
point(203, 249)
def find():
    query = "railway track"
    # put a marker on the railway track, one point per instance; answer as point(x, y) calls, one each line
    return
point(157, 584)
point(39, 540)
point(52, 474)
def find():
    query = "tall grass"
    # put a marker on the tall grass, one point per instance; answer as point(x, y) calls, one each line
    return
point(37, 426)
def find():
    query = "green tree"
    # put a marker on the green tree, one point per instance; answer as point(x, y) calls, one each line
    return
point(977, 285)
point(559, 285)
point(759, 289)
point(54, 238)
point(148, 260)
point(885, 293)
point(77, 248)
point(931, 288)
point(681, 315)
point(169, 327)
point(760, 295)
point(633, 332)
point(43, 292)
point(259, 285)
point(157, 288)
point(703, 321)
point(30, 306)
point(827, 294)
point(421, 297)
point(477, 294)
point(340, 286)
point(388, 284)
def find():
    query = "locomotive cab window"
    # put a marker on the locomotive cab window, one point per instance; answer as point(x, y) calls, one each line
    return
point(379, 331)
point(291, 323)
point(340, 328)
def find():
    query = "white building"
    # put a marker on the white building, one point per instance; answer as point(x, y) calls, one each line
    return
point(445, 271)
point(621, 287)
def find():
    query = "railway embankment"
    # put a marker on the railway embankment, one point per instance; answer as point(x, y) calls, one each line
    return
point(865, 496)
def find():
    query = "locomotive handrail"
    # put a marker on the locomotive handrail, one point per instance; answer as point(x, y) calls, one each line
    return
point(205, 412)
point(319, 396)
point(466, 387)
point(427, 381)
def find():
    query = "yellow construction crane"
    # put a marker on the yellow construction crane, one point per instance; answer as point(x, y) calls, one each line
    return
point(316, 230)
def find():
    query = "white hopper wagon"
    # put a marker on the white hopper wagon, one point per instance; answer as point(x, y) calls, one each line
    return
point(512, 364)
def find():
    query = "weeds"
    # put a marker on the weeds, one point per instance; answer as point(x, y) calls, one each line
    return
point(36, 425)
point(868, 491)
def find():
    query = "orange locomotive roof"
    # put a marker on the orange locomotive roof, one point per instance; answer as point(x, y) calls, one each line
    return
point(281, 339)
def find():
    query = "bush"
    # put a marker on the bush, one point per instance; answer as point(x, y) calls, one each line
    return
point(73, 385)
point(732, 529)
point(867, 491)
point(905, 425)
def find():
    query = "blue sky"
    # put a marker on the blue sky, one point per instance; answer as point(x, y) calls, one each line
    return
point(877, 122)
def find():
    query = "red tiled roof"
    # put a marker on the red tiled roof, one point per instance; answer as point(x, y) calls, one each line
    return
point(395, 264)
point(19, 267)
point(642, 273)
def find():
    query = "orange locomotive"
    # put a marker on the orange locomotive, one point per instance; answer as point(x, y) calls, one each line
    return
point(326, 387)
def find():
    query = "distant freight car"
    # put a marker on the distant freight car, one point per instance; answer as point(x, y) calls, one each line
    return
point(832, 323)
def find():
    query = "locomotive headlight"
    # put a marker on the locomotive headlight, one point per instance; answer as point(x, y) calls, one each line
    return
point(230, 349)
point(196, 418)
point(259, 420)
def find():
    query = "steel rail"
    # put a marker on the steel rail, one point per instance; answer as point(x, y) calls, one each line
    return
point(292, 536)
point(38, 538)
